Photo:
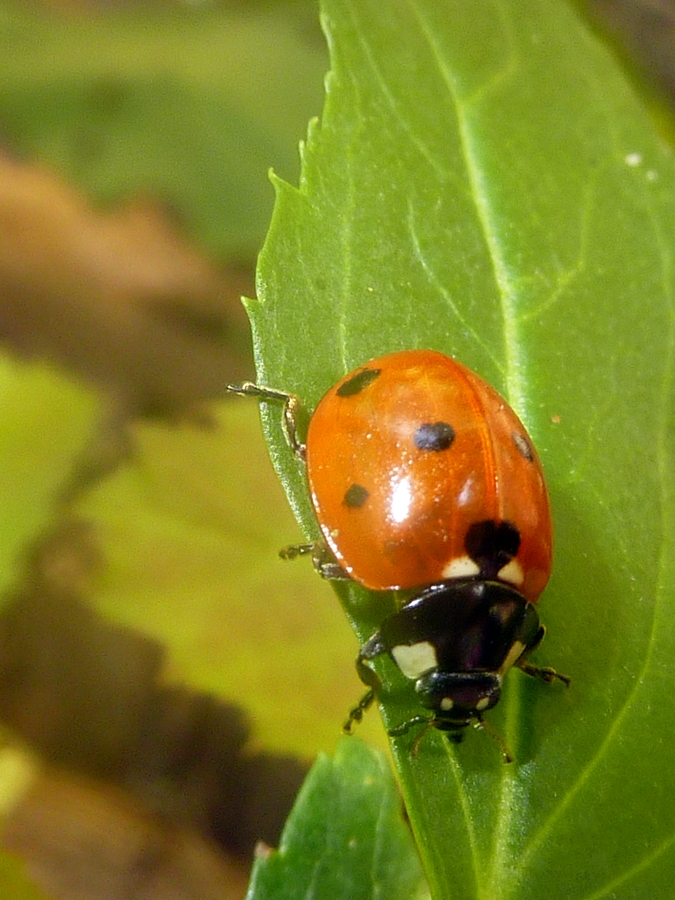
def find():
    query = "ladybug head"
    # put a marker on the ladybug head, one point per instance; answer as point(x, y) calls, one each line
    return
point(458, 698)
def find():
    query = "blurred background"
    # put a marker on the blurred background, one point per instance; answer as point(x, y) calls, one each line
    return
point(165, 680)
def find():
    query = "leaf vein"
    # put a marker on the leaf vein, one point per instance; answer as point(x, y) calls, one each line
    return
point(662, 583)
point(609, 889)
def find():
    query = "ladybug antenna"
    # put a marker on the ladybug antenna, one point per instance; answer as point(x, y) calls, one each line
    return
point(415, 749)
point(496, 736)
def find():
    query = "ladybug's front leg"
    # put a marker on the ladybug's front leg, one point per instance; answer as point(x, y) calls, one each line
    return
point(291, 404)
point(546, 673)
point(322, 559)
point(370, 650)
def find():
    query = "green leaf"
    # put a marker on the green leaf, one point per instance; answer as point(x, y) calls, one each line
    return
point(345, 837)
point(47, 420)
point(484, 182)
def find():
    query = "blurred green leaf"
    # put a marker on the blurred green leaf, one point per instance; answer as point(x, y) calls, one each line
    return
point(16, 774)
point(345, 837)
point(483, 181)
point(47, 420)
point(192, 105)
point(190, 530)
point(14, 883)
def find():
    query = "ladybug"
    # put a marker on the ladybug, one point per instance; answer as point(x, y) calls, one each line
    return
point(424, 480)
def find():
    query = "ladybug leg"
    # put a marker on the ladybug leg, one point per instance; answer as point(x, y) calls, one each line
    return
point(295, 550)
point(291, 404)
point(370, 650)
point(496, 736)
point(405, 727)
point(331, 570)
point(356, 713)
point(456, 737)
point(546, 673)
point(322, 559)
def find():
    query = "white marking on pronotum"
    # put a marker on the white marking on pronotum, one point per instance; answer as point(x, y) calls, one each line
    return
point(415, 659)
point(513, 656)
point(461, 567)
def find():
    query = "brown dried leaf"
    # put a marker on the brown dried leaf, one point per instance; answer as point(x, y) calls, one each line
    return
point(82, 840)
point(120, 297)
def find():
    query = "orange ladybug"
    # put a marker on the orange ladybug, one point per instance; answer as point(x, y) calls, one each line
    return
point(423, 478)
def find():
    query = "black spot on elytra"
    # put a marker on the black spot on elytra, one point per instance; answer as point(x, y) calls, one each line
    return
point(357, 382)
point(491, 545)
point(355, 496)
point(523, 446)
point(434, 436)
